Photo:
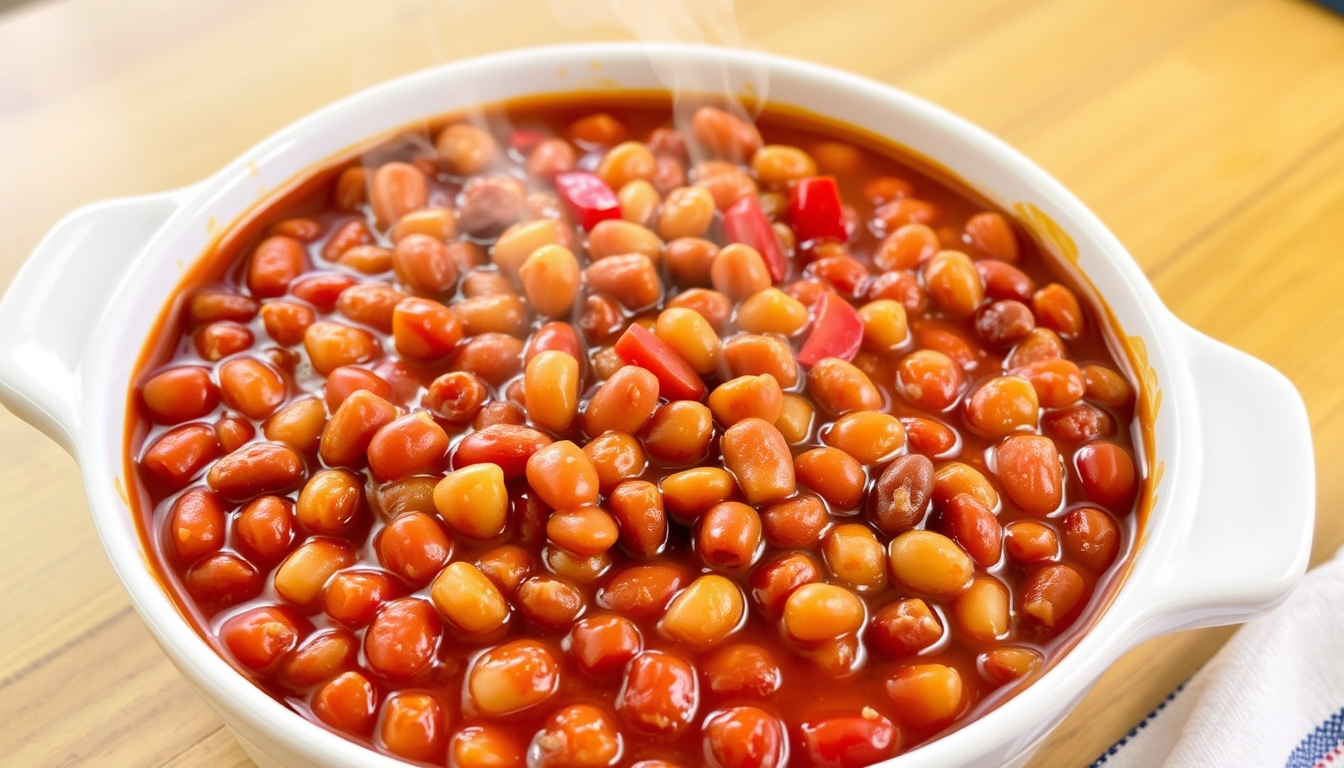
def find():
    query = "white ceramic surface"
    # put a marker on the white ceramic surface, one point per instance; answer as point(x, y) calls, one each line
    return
point(1231, 432)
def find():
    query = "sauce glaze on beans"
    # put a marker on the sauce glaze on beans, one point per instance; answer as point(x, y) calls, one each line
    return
point(595, 443)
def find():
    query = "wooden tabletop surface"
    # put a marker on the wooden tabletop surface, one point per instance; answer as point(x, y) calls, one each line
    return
point(1208, 134)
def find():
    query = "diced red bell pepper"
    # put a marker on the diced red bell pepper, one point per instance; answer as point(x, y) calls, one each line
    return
point(676, 379)
point(744, 222)
point(837, 331)
point(815, 210)
point(587, 197)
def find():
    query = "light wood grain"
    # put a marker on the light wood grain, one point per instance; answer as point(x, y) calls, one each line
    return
point(1208, 134)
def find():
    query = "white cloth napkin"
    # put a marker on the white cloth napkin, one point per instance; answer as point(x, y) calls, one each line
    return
point(1273, 696)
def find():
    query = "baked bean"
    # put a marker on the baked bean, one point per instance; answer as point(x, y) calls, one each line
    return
point(678, 432)
point(1039, 344)
point(550, 278)
point(661, 693)
point(549, 158)
point(584, 570)
point(955, 478)
point(691, 337)
point(398, 188)
point(907, 247)
point(347, 436)
point(992, 235)
point(926, 696)
point(598, 130)
point(616, 456)
point(1030, 470)
point(557, 336)
point(753, 355)
point(758, 456)
point(833, 265)
point(796, 522)
point(747, 397)
point(494, 357)
point(931, 563)
point(1028, 541)
point(520, 241)
point(689, 261)
point(639, 201)
point(455, 397)
point(347, 703)
point(849, 741)
point(771, 311)
point(499, 413)
point(285, 321)
point(900, 287)
point(884, 325)
point(320, 657)
point(626, 162)
point(223, 579)
point(264, 528)
point(1107, 474)
point(578, 736)
point(728, 536)
point(1058, 383)
point(584, 531)
point(724, 134)
point(795, 419)
point(1091, 537)
point(906, 210)
point(1004, 322)
point(414, 726)
point(816, 612)
point(550, 601)
point(742, 669)
point(637, 507)
point(423, 264)
point(1105, 386)
point(972, 525)
point(601, 645)
point(196, 525)
point(179, 455)
point(551, 383)
point(1057, 308)
point(507, 565)
point(870, 437)
point(251, 387)
point(330, 502)
point(687, 212)
point(744, 737)
point(836, 157)
point(840, 387)
point(953, 283)
point(465, 149)
point(299, 425)
point(712, 305)
point(705, 613)
point(562, 475)
point(300, 578)
point(643, 592)
point(414, 494)
point(473, 499)
point(437, 223)
point(414, 546)
point(1002, 406)
point(276, 262)
point(208, 305)
point(490, 205)
point(353, 597)
point(1003, 665)
point(900, 498)
point(332, 345)
point(773, 582)
point(632, 280)
point(179, 394)
point(486, 746)
point(468, 600)
point(776, 165)
point(617, 237)
point(511, 678)
point(371, 304)
point(508, 446)
point(256, 469)
point(411, 445)
point(218, 340)
point(506, 314)
point(930, 380)
point(833, 474)
point(856, 557)
point(1051, 594)
point(904, 628)
point(346, 238)
point(624, 403)
point(738, 271)
point(929, 437)
point(601, 319)
point(260, 637)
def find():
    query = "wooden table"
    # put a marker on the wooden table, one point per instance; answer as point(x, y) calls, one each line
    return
point(1208, 134)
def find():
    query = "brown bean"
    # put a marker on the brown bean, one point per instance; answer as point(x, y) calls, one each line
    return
point(632, 280)
point(256, 469)
point(689, 260)
point(724, 134)
point(637, 506)
point(796, 522)
point(490, 205)
point(624, 403)
point(833, 474)
point(758, 456)
point(900, 499)
point(507, 446)
point(616, 456)
point(397, 189)
point(728, 536)
point(839, 387)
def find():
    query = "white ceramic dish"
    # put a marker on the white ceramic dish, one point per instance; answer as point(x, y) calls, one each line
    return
point(1231, 432)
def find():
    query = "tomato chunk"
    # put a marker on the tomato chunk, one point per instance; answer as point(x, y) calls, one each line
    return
point(587, 197)
point(676, 379)
point(744, 222)
point(837, 331)
point(815, 210)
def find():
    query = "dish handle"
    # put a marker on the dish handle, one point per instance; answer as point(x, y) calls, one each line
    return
point(50, 311)
point(1247, 539)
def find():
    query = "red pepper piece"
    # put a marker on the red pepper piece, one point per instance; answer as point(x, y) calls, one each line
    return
point(676, 379)
point(745, 222)
point(524, 139)
point(587, 197)
point(815, 210)
point(837, 331)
